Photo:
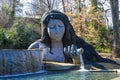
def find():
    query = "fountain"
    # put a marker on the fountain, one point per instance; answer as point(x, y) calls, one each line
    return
point(82, 66)
point(82, 73)
point(80, 52)
point(29, 62)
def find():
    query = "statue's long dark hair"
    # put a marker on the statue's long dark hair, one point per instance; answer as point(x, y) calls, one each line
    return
point(69, 35)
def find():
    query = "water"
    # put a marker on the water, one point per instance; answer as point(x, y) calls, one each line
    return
point(67, 75)
point(82, 62)
point(82, 67)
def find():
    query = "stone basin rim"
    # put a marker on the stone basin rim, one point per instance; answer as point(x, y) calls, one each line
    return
point(20, 50)
point(109, 70)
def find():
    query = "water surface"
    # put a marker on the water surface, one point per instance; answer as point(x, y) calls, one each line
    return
point(67, 75)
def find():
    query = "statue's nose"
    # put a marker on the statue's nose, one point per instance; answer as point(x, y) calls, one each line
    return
point(57, 29)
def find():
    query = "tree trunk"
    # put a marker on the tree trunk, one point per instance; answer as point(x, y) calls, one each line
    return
point(78, 6)
point(12, 16)
point(63, 4)
point(93, 11)
point(115, 20)
point(94, 4)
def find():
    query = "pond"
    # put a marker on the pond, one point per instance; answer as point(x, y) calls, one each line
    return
point(65, 75)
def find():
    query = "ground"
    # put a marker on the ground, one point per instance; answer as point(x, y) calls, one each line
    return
point(108, 55)
point(108, 65)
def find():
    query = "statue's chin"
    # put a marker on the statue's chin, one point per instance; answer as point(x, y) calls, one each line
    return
point(57, 39)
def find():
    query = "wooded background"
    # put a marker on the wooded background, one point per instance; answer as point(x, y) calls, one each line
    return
point(20, 26)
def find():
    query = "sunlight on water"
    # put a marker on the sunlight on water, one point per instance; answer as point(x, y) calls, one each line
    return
point(83, 70)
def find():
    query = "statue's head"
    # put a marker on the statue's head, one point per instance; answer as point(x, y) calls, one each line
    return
point(64, 31)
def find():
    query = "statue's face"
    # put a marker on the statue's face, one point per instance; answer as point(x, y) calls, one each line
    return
point(56, 29)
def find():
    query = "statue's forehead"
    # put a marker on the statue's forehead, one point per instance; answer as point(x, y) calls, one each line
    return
point(55, 21)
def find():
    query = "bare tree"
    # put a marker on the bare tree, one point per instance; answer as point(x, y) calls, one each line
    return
point(12, 12)
point(8, 11)
point(50, 4)
point(102, 6)
point(63, 4)
point(115, 20)
point(68, 5)
point(78, 5)
point(94, 4)
point(38, 7)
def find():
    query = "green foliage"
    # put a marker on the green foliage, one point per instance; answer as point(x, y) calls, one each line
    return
point(104, 43)
point(2, 37)
point(103, 40)
point(5, 8)
point(102, 49)
point(90, 23)
point(19, 36)
point(25, 36)
point(4, 41)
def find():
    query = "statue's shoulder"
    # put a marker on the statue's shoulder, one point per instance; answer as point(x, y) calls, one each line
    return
point(37, 45)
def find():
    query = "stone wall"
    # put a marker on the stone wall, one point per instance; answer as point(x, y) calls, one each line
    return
point(20, 61)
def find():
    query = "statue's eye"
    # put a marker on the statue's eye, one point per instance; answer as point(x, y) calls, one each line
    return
point(60, 25)
point(51, 27)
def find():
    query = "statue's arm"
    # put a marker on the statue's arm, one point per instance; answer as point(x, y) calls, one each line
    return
point(34, 45)
point(37, 45)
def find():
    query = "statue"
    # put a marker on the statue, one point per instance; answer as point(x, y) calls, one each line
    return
point(57, 36)
point(61, 43)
